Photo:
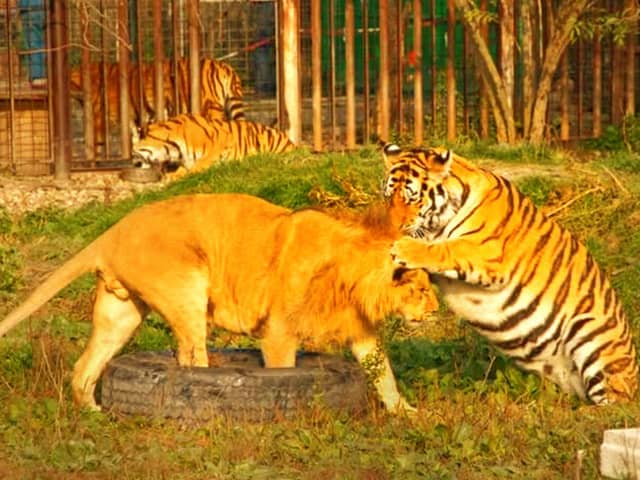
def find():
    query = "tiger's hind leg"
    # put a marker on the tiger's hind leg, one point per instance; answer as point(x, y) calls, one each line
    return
point(115, 319)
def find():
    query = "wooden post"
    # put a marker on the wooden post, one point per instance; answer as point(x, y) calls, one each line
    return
point(103, 82)
point(158, 61)
point(418, 114)
point(630, 100)
point(316, 73)
point(597, 85)
point(194, 54)
point(399, 70)
point(383, 91)
point(12, 99)
point(291, 72)
point(87, 91)
point(124, 63)
point(579, 87)
point(177, 57)
point(350, 73)
point(451, 72)
point(564, 97)
point(434, 78)
point(484, 104)
point(366, 83)
point(332, 71)
point(143, 114)
point(60, 90)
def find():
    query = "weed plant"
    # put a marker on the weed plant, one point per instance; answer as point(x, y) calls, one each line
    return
point(480, 417)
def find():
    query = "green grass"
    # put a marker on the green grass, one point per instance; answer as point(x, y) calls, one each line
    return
point(480, 417)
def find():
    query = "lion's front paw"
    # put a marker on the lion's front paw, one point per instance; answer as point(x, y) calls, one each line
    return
point(405, 408)
point(403, 252)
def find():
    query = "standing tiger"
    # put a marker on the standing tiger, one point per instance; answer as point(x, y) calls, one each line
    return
point(189, 142)
point(220, 95)
point(517, 277)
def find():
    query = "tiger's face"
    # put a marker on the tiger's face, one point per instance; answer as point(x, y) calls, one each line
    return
point(414, 185)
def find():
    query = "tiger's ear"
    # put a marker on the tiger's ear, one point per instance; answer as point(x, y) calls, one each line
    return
point(441, 162)
point(389, 152)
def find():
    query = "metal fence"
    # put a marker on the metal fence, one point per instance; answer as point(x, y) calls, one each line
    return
point(351, 89)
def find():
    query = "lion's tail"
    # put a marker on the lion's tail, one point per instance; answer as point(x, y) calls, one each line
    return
point(83, 262)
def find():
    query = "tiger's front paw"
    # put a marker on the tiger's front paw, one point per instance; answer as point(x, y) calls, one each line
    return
point(406, 253)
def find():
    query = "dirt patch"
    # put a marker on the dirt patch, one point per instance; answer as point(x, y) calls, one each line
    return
point(19, 195)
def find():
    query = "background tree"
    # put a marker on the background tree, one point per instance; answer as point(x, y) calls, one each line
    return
point(540, 31)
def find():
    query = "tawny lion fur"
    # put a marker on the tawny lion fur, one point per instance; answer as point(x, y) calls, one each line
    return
point(246, 265)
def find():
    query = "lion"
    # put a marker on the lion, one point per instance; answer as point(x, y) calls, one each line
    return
point(246, 265)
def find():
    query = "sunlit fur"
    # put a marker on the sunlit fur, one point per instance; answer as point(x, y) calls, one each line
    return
point(191, 143)
point(220, 91)
point(246, 265)
point(518, 277)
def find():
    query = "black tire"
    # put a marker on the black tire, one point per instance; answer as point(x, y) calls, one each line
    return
point(152, 384)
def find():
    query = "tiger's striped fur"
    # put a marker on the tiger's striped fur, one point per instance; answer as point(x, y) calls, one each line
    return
point(189, 142)
point(516, 276)
point(220, 94)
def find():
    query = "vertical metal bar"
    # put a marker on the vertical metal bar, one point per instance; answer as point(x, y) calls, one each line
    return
point(158, 61)
point(332, 71)
point(124, 64)
point(60, 91)
point(316, 73)
point(418, 114)
point(451, 72)
point(350, 73)
point(194, 54)
point(383, 94)
point(366, 108)
point(12, 99)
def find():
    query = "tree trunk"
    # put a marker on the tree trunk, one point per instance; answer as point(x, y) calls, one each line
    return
point(560, 22)
point(565, 19)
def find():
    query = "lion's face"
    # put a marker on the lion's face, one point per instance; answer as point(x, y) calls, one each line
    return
point(414, 294)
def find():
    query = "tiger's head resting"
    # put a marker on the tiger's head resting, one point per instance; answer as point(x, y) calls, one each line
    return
point(416, 188)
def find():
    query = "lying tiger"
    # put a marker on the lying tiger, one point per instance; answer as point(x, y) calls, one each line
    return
point(246, 265)
point(220, 92)
point(517, 277)
point(190, 143)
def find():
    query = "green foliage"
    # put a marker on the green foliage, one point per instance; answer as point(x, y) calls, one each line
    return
point(610, 140)
point(10, 263)
point(537, 188)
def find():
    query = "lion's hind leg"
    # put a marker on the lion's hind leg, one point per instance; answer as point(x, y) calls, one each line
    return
point(115, 318)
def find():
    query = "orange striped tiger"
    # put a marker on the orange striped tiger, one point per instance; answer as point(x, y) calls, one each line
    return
point(220, 96)
point(189, 142)
point(517, 277)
